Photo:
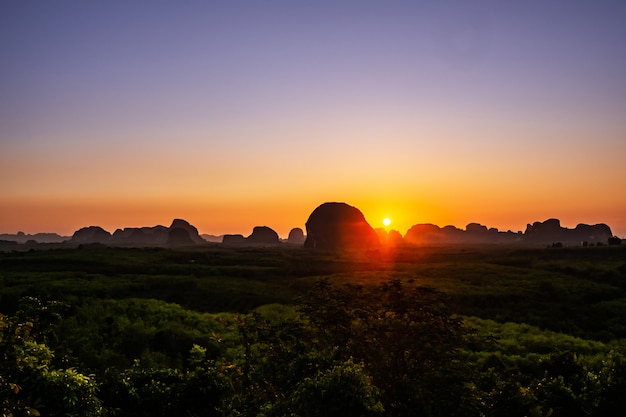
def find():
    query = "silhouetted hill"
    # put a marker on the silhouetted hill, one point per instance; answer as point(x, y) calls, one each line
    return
point(91, 234)
point(338, 226)
point(296, 236)
point(191, 230)
point(212, 238)
point(551, 231)
point(21, 237)
point(547, 232)
point(429, 233)
point(473, 233)
point(140, 236)
point(233, 239)
point(391, 238)
point(263, 235)
point(156, 235)
point(179, 236)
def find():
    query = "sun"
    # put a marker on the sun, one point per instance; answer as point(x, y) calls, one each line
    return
point(386, 221)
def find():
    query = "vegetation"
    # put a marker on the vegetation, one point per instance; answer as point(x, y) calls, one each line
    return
point(213, 331)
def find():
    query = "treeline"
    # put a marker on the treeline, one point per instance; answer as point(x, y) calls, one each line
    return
point(392, 349)
point(578, 291)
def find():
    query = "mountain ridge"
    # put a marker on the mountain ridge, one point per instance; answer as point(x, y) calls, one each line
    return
point(549, 231)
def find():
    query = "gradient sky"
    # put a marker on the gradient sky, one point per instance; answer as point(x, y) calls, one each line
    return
point(235, 114)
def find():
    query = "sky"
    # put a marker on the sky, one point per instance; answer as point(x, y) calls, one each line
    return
point(237, 114)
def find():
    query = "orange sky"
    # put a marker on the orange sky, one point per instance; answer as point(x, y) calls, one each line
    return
point(229, 117)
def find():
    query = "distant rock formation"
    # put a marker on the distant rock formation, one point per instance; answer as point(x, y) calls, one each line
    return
point(394, 238)
point(191, 230)
point(263, 235)
point(338, 226)
point(179, 236)
point(212, 238)
point(474, 233)
point(425, 233)
point(476, 229)
point(389, 238)
point(547, 232)
point(296, 236)
point(91, 234)
point(21, 237)
point(235, 240)
point(141, 236)
point(550, 231)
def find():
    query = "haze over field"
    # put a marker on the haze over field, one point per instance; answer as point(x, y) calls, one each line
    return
point(235, 115)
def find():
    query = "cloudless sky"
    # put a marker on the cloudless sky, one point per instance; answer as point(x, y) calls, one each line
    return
point(235, 114)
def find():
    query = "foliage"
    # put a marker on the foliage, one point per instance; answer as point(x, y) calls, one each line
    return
point(141, 391)
point(579, 291)
point(406, 338)
point(344, 390)
point(113, 333)
point(29, 382)
point(455, 331)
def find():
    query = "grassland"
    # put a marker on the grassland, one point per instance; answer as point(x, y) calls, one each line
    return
point(580, 291)
point(530, 316)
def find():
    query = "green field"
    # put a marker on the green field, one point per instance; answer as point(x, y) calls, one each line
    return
point(456, 330)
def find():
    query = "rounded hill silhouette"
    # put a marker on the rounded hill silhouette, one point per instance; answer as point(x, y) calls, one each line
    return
point(91, 234)
point(339, 226)
point(296, 236)
point(263, 235)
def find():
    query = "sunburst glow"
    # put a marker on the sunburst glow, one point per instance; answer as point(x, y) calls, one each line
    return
point(386, 221)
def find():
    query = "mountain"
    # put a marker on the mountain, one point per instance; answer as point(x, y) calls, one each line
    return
point(21, 237)
point(212, 238)
point(263, 235)
point(233, 240)
point(178, 233)
point(339, 226)
point(91, 234)
point(296, 236)
point(193, 232)
point(550, 231)
point(179, 237)
point(547, 232)
point(473, 233)
point(389, 238)
point(156, 235)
